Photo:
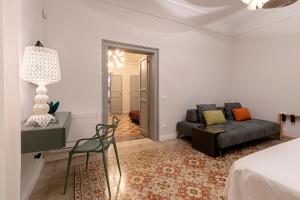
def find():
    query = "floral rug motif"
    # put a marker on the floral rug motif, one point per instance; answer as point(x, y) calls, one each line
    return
point(170, 172)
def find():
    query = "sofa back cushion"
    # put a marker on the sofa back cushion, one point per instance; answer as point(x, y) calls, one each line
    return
point(214, 117)
point(204, 107)
point(192, 115)
point(241, 114)
point(223, 110)
point(229, 107)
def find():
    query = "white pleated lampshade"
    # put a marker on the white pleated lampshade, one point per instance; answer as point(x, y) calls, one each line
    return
point(40, 65)
point(246, 1)
point(254, 4)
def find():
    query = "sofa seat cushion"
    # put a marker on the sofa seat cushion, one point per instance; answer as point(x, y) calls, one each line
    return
point(244, 131)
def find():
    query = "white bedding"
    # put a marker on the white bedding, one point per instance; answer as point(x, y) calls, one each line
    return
point(273, 173)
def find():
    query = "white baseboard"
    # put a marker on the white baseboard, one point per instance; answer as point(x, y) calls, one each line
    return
point(168, 137)
point(59, 154)
point(26, 194)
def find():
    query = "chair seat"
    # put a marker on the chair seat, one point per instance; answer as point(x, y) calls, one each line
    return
point(90, 145)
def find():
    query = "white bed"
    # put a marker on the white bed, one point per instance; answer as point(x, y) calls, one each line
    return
point(270, 174)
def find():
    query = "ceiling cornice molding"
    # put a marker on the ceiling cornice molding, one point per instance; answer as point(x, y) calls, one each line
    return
point(223, 26)
point(269, 18)
point(250, 24)
point(188, 7)
point(199, 10)
point(201, 28)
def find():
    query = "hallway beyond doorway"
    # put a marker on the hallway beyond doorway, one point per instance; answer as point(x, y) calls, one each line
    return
point(117, 56)
point(127, 130)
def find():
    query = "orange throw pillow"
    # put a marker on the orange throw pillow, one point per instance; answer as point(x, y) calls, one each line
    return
point(241, 114)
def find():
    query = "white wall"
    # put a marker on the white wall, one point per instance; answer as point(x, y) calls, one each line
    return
point(10, 164)
point(30, 30)
point(194, 64)
point(2, 154)
point(128, 70)
point(266, 70)
point(195, 67)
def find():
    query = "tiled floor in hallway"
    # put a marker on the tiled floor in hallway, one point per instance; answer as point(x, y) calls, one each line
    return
point(127, 130)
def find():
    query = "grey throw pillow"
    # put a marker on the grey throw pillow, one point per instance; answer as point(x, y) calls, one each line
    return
point(192, 116)
point(229, 107)
point(204, 107)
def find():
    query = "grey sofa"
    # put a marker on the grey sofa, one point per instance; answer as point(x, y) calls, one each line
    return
point(235, 132)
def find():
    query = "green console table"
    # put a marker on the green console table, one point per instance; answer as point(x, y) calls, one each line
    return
point(54, 136)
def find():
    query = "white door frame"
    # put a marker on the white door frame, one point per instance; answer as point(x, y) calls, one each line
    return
point(154, 83)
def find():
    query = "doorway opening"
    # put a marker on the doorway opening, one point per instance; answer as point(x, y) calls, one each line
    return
point(127, 84)
point(130, 89)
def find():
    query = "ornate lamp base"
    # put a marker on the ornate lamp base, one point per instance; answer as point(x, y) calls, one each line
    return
point(41, 120)
point(41, 108)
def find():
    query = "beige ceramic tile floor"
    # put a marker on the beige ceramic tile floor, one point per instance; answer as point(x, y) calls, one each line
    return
point(167, 172)
point(51, 181)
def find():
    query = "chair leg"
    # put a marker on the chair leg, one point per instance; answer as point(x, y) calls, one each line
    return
point(117, 156)
point(87, 161)
point(68, 172)
point(106, 172)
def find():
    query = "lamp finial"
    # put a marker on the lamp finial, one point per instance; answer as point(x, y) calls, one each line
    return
point(39, 44)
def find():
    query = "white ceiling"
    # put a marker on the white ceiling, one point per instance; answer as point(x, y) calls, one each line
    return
point(228, 17)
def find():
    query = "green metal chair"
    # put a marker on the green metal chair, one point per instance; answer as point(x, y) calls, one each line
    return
point(99, 143)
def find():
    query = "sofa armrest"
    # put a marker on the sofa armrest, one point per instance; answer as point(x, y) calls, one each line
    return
point(185, 128)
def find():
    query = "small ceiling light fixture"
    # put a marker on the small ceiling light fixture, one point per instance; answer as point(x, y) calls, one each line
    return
point(116, 58)
point(255, 4)
point(268, 4)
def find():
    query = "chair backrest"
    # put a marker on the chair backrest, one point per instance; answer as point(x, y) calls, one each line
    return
point(111, 132)
point(107, 131)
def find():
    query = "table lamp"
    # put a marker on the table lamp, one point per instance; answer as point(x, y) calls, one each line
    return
point(41, 67)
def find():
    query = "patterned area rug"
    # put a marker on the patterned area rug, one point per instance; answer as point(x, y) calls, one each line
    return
point(126, 130)
point(171, 172)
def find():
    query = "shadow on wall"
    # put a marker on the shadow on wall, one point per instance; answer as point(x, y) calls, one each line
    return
point(166, 10)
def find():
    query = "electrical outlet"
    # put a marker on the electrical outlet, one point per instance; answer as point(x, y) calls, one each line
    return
point(163, 126)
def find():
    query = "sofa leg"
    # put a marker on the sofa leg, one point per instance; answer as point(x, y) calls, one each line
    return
point(217, 152)
point(220, 152)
